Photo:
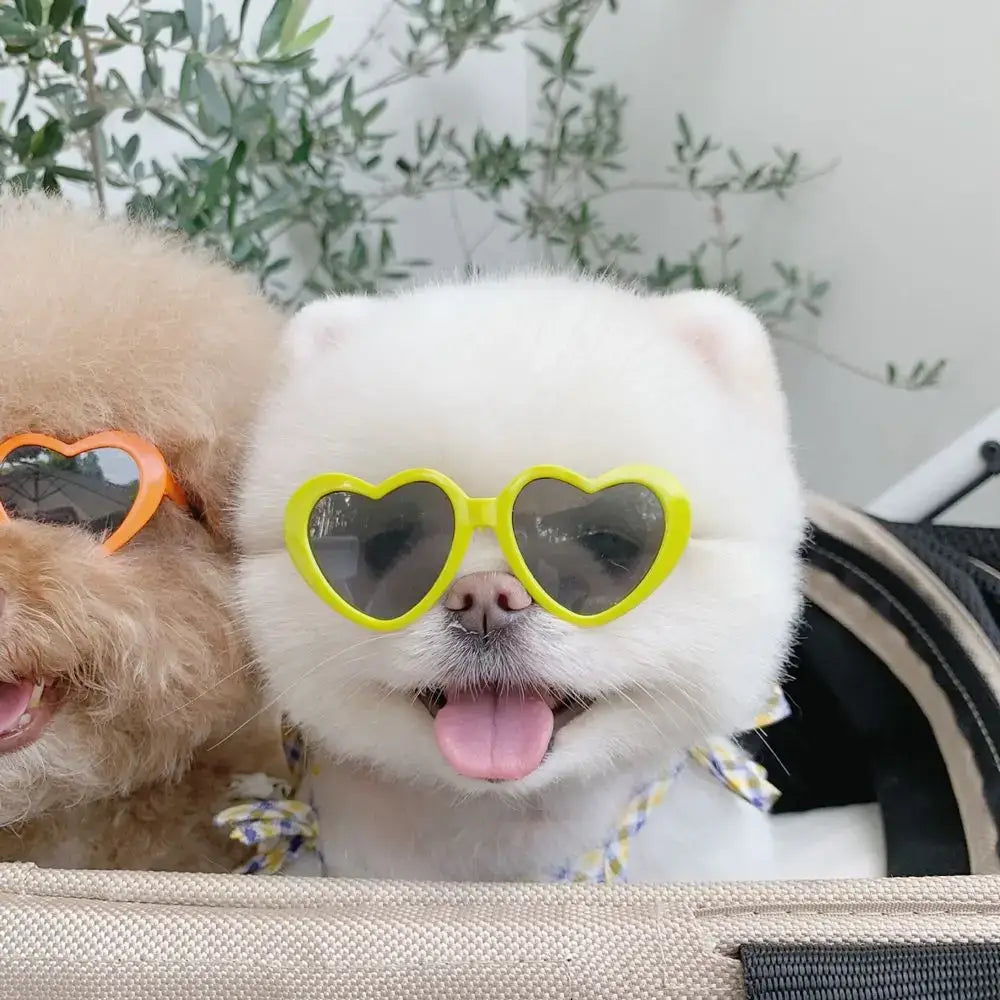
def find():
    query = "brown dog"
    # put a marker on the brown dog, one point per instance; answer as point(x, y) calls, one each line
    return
point(107, 328)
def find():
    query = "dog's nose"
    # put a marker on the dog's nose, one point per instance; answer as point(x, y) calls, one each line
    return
point(483, 602)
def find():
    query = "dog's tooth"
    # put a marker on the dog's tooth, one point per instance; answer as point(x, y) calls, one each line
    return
point(36, 695)
point(24, 720)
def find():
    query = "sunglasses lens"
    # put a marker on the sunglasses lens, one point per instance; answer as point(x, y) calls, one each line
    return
point(383, 556)
point(588, 551)
point(94, 490)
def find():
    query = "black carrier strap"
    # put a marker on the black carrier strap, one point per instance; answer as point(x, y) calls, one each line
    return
point(879, 972)
point(857, 733)
point(923, 829)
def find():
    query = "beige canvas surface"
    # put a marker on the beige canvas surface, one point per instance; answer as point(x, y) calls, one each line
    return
point(126, 936)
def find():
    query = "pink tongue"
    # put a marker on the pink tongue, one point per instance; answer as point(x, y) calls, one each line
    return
point(14, 699)
point(485, 734)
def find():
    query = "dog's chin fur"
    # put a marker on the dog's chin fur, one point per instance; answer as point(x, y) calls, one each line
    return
point(143, 663)
point(480, 381)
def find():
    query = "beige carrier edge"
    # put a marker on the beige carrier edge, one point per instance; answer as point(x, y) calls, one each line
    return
point(68, 935)
point(141, 936)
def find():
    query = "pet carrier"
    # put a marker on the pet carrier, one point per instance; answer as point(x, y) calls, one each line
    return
point(897, 666)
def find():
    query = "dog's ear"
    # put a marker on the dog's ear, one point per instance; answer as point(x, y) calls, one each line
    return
point(732, 342)
point(319, 325)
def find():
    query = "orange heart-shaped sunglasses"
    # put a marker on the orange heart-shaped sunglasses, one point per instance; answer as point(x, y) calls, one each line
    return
point(81, 489)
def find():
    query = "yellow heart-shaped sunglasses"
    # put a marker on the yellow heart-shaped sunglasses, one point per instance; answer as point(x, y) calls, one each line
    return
point(586, 550)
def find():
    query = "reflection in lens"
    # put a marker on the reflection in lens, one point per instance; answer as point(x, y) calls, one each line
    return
point(588, 551)
point(94, 490)
point(383, 556)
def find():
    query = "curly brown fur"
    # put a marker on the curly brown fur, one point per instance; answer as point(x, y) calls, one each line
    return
point(108, 326)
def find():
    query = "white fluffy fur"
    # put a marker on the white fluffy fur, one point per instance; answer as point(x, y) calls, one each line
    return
point(480, 381)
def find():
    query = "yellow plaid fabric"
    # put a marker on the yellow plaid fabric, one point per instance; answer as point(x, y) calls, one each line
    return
point(279, 829)
point(723, 759)
point(283, 829)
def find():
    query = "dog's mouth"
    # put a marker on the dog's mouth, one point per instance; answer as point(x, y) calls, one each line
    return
point(493, 734)
point(26, 707)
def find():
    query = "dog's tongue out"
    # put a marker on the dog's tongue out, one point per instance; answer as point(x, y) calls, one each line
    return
point(494, 735)
point(14, 701)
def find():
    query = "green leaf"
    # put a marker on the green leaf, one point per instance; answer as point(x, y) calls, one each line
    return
point(17, 37)
point(685, 129)
point(179, 28)
point(184, 88)
point(270, 33)
point(275, 267)
point(130, 150)
point(47, 140)
point(358, 258)
point(56, 90)
point(239, 155)
point(541, 57)
point(308, 38)
point(933, 375)
point(21, 97)
point(212, 185)
point(59, 13)
point(66, 57)
point(74, 174)
point(293, 21)
point(193, 16)
point(152, 68)
point(289, 64)
point(567, 58)
point(213, 101)
point(216, 33)
point(891, 373)
point(259, 224)
point(33, 12)
point(166, 120)
point(374, 111)
point(88, 119)
point(119, 29)
point(244, 8)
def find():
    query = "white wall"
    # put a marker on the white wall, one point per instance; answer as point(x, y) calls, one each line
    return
point(907, 228)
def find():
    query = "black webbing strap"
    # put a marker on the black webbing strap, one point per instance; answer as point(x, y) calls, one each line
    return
point(879, 972)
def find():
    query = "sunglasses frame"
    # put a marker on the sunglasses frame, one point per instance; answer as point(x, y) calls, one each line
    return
point(472, 514)
point(155, 479)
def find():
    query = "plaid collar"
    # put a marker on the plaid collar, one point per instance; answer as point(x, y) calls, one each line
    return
point(724, 759)
point(283, 828)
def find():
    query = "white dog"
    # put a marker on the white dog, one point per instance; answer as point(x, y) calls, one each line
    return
point(491, 739)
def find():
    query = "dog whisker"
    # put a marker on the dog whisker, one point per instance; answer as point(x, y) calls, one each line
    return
point(298, 680)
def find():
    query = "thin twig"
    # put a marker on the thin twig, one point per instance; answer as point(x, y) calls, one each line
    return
point(437, 56)
point(676, 187)
point(371, 36)
point(456, 221)
point(721, 240)
point(550, 165)
point(833, 359)
point(96, 160)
